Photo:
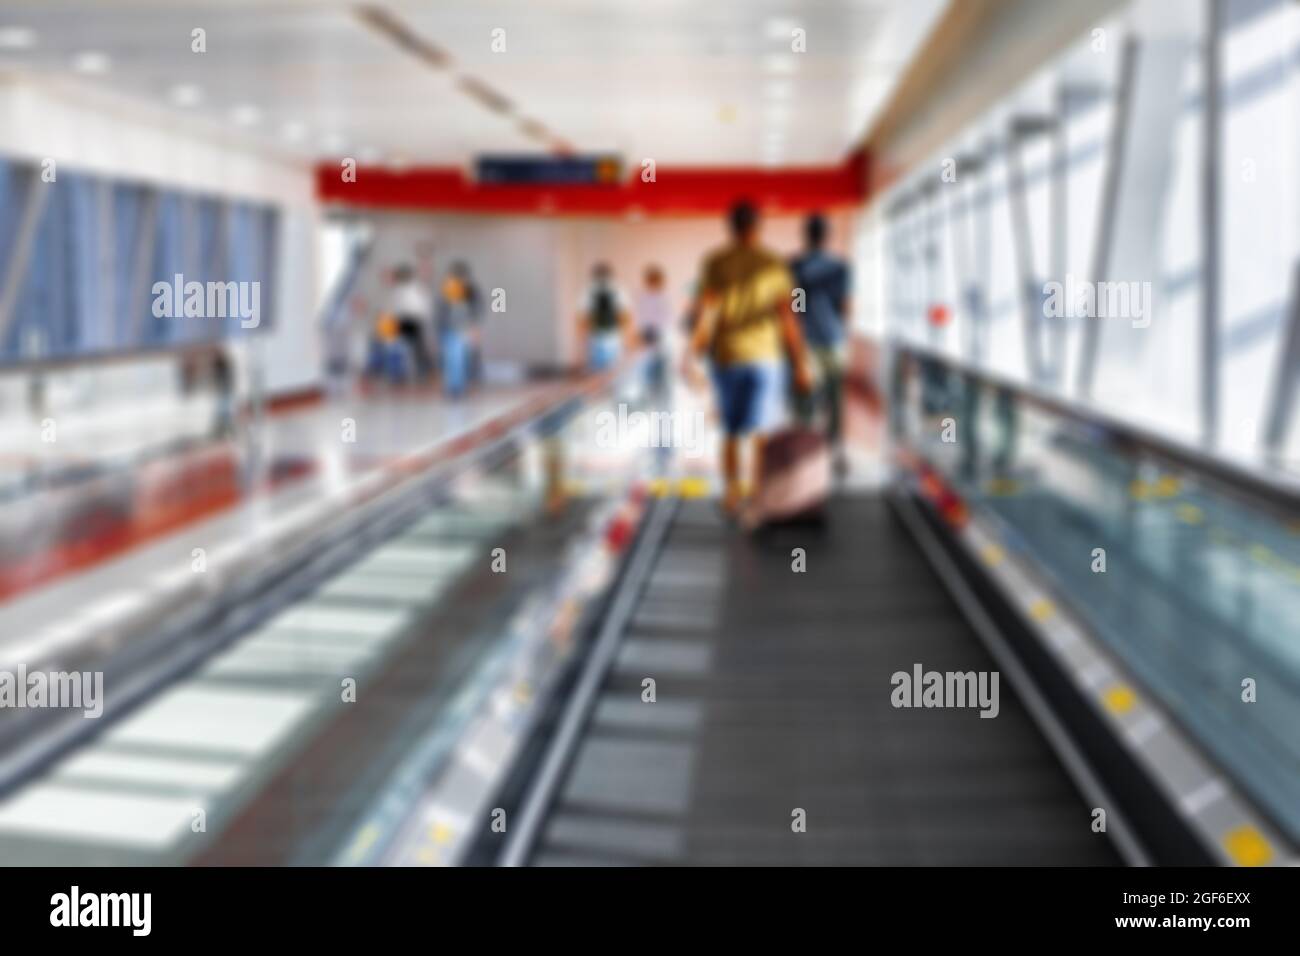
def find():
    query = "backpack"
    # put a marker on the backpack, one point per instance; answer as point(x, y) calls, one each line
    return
point(604, 310)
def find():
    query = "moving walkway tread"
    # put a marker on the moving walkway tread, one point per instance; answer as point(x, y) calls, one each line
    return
point(304, 811)
point(773, 693)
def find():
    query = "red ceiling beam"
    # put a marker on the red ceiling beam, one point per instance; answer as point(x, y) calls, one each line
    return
point(681, 191)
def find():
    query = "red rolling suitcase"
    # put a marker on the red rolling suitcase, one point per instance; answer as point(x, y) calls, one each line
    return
point(796, 477)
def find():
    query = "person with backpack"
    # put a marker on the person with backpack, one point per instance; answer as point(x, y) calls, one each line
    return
point(604, 320)
point(824, 280)
point(745, 325)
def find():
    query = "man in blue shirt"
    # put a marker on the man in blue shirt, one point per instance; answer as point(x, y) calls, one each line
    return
point(824, 281)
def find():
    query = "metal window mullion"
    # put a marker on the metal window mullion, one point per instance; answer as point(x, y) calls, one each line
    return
point(146, 236)
point(959, 233)
point(1211, 131)
point(1282, 405)
point(1110, 200)
point(1022, 239)
point(1060, 225)
point(983, 239)
point(20, 254)
point(106, 324)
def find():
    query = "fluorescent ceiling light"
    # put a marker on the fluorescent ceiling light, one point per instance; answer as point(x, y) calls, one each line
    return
point(246, 114)
point(186, 94)
point(782, 64)
point(91, 62)
point(780, 28)
point(17, 38)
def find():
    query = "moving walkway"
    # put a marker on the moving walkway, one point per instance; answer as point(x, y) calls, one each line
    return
point(648, 685)
point(773, 698)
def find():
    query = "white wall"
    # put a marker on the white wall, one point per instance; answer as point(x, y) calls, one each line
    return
point(294, 346)
point(517, 255)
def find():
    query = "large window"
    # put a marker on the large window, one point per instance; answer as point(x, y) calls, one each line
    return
point(79, 257)
point(1261, 209)
point(1091, 180)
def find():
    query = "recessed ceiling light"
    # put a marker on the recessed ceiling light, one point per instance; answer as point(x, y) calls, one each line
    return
point(295, 131)
point(246, 114)
point(782, 64)
point(778, 90)
point(91, 62)
point(186, 94)
point(333, 144)
point(17, 38)
point(780, 28)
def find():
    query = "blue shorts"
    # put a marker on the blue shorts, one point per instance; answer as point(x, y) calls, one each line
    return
point(603, 351)
point(751, 396)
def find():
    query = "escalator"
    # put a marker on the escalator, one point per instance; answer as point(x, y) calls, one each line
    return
point(772, 738)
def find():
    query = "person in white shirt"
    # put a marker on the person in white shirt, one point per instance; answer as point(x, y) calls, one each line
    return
point(413, 310)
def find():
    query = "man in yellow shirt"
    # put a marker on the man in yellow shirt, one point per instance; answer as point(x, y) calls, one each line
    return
point(745, 323)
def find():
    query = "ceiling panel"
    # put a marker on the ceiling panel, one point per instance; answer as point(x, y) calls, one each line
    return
point(680, 81)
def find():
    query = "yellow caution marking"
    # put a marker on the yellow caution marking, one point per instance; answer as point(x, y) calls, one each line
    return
point(1042, 609)
point(366, 838)
point(693, 487)
point(659, 487)
point(1190, 514)
point(993, 555)
point(575, 489)
point(1168, 486)
point(440, 833)
point(1003, 487)
point(1261, 554)
point(1140, 490)
point(1119, 699)
point(1247, 846)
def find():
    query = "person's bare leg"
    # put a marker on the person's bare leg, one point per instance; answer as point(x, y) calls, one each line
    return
point(731, 473)
point(756, 466)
